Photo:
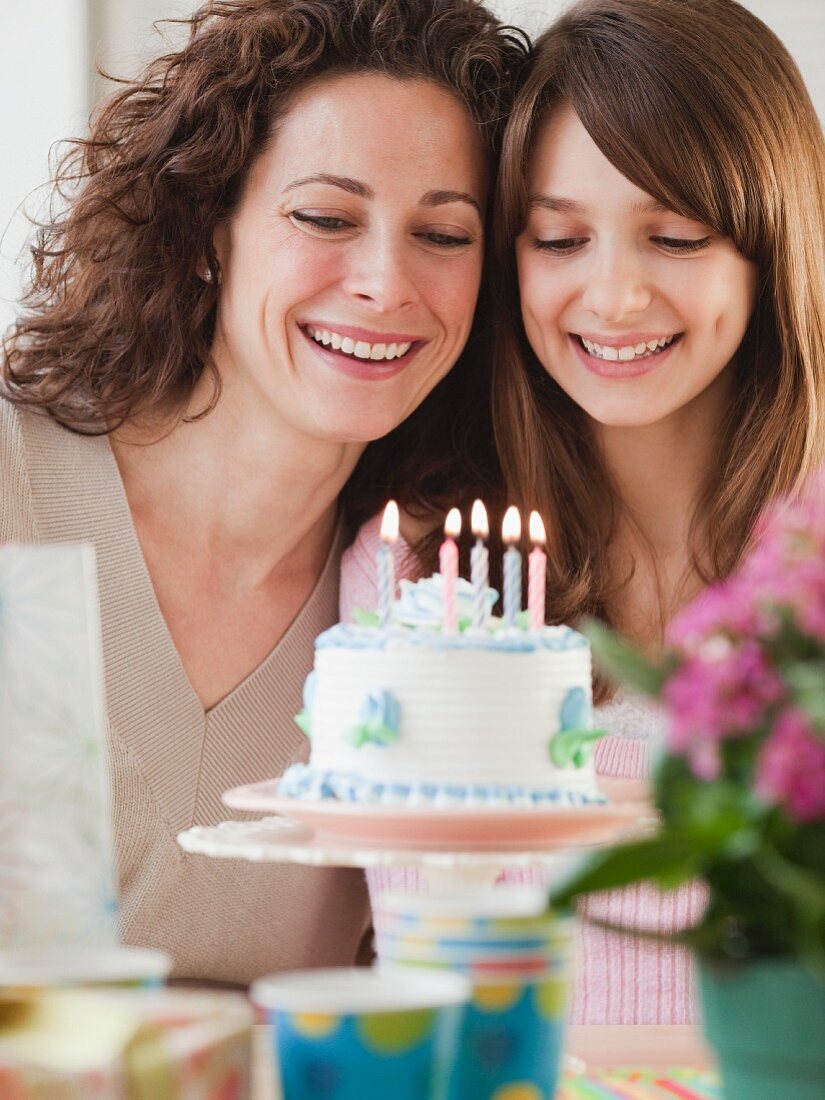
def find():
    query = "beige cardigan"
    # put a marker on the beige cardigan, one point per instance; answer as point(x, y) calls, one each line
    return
point(219, 919)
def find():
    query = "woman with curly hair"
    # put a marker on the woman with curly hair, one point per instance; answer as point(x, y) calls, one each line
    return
point(270, 257)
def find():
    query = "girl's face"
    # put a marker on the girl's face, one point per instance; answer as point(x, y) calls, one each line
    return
point(634, 310)
point(350, 269)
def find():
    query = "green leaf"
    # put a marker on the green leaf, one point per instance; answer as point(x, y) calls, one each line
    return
point(623, 661)
point(666, 860)
point(807, 683)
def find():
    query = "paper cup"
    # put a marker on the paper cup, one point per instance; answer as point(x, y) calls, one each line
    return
point(511, 1038)
point(358, 1034)
point(24, 971)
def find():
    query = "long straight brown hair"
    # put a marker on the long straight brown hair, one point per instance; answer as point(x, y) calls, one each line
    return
point(699, 104)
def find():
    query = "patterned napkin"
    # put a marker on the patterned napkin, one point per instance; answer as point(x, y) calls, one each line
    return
point(672, 1084)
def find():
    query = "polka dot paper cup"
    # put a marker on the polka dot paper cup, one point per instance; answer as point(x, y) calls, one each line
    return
point(511, 1038)
point(358, 1034)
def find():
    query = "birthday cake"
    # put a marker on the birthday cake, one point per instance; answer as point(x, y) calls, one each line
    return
point(408, 714)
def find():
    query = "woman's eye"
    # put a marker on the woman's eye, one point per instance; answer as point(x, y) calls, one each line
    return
point(680, 244)
point(328, 223)
point(446, 240)
point(559, 245)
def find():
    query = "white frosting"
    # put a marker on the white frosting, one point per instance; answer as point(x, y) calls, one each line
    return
point(468, 716)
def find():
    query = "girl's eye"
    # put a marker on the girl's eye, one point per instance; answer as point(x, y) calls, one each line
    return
point(327, 223)
point(559, 245)
point(446, 240)
point(679, 244)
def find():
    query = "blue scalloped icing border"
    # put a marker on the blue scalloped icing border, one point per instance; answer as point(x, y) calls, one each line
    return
point(302, 781)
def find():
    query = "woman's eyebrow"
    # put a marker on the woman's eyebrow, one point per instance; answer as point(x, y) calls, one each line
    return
point(354, 187)
point(364, 191)
point(442, 198)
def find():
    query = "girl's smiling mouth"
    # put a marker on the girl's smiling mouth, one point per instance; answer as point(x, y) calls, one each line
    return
point(630, 358)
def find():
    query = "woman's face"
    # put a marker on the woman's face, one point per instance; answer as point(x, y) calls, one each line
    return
point(634, 310)
point(350, 269)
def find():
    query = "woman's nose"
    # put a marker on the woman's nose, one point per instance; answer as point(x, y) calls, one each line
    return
point(615, 286)
point(380, 274)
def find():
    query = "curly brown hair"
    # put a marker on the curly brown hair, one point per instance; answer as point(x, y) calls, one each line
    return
point(117, 323)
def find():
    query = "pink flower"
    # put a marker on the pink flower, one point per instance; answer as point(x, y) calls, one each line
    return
point(791, 767)
point(722, 693)
point(727, 608)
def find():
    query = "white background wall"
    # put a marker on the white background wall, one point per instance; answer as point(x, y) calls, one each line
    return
point(47, 82)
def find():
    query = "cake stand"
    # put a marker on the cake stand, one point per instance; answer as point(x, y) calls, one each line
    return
point(445, 846)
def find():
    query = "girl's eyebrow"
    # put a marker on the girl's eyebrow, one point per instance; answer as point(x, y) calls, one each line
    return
point(559, 205)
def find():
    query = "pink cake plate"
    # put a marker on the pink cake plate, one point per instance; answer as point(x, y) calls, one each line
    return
point(499, 829)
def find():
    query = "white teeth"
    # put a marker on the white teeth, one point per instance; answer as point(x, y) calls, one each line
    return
point(628, 352)
point(360, 348)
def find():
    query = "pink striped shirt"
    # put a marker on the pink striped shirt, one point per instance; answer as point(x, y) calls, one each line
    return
point(619, 979)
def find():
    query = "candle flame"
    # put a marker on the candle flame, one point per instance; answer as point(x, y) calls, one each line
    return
point(478, 520)
point(452, 526)
point(390, 522)
point(537, 532)
point(511, 527)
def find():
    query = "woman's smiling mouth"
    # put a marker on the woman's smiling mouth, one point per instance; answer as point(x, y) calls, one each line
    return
point(361, 353)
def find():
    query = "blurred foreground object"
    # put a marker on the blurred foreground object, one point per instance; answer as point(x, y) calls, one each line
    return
point(57, 869)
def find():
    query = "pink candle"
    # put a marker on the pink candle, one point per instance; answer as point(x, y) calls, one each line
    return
point(537, 575)
point(448, 566)
point(385, 564)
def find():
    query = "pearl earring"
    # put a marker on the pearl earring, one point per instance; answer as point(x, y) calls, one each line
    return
point(208, 274)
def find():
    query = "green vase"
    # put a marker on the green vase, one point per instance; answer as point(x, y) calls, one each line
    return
point(766, 1021)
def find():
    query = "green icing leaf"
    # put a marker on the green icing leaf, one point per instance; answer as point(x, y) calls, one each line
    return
point(365, 618)
point(574, 746)
point(304, 723)
point(371, 732)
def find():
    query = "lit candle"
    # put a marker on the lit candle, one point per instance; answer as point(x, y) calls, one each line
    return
point(511, 533)
point(537, 573)
point(479, 564)
point(386, 567)
point(448, 566)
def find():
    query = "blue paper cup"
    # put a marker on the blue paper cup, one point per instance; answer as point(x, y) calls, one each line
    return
point(358, 1034)
point(511, 1039)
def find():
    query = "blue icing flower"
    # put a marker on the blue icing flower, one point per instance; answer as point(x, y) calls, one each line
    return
point(422, 603)
point(576, 711)
point(379, 720)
